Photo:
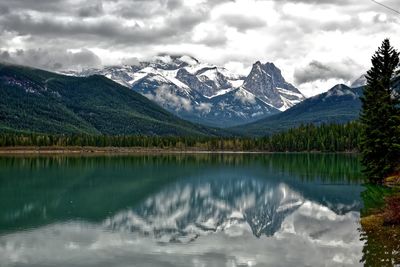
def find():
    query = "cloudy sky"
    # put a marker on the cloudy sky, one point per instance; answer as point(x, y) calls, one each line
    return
point(316, 43)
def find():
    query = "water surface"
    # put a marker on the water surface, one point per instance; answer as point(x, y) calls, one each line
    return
point(180, 210)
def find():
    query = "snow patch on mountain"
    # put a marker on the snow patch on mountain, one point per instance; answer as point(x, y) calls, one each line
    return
point(341, 90)
point(361, 81)
point(221, 92)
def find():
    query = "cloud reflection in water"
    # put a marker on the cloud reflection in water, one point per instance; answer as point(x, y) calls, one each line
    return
point(242, 221)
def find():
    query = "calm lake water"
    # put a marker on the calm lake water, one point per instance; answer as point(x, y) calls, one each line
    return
point(181, 210)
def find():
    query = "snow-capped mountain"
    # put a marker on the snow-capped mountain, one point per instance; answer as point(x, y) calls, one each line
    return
point(207, 93)
point(361, 81)
point(266, 82)
point(184, 212)
point(340, 90)
point(340, 104)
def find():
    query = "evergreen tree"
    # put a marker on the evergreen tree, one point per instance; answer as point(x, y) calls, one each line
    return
point(380, 145)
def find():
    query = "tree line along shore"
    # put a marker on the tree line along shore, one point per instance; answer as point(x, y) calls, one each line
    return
point(306, 138)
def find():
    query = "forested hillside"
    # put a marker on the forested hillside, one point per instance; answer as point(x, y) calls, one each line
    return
point(33, 100)
point(341, 104)
point(327, 138)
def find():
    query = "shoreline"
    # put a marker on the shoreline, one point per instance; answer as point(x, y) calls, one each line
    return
point(74, 150)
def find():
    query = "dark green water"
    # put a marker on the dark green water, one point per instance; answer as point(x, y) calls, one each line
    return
point(180, 210)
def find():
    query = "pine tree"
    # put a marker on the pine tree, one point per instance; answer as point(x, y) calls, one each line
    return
point(380, 140)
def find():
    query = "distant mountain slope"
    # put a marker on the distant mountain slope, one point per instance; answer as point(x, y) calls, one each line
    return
point(206, 93)
point(338, 105)
point(361, 81)
point(41, 101)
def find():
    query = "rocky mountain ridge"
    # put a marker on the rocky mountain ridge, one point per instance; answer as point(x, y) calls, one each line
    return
point(206, 93)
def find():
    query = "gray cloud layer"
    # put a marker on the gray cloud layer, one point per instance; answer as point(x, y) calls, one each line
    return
point(243, 22)
point(52, 59)
point(303, 36)
point(316, 70)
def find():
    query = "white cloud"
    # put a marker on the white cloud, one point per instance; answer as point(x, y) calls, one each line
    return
point(204, 107)
point(322, 235)
point(245, 97)
point(166, 97)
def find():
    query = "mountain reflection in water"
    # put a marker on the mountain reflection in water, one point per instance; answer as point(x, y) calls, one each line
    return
point(195, 208)
point(205, 210)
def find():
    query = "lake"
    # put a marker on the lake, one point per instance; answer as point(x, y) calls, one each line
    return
point(181, 210)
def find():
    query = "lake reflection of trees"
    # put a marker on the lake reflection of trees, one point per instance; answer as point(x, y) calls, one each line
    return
point(45, 189)
point(330, 167)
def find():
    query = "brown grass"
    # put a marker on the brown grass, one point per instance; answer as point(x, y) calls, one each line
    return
point(393, 180)
point(391, 211)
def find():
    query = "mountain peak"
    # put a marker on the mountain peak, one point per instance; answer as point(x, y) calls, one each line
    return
point(339, 86)
point(265, 65)
point(360, 81)
point(267, 83)
point(270, 67)
point(341, 90)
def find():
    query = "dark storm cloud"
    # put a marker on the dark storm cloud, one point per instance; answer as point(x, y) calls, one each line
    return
point(214, 40)
point(4, 9)
point(37, 5)
point(316, 70)
point(5, 56)
point(143, 8)
point(104, 29)
point(174, 4)
point(56, 59)
point(91, 10)
point(109, 30)
point(187, 19)
point(108, 24)
point(242, 22)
